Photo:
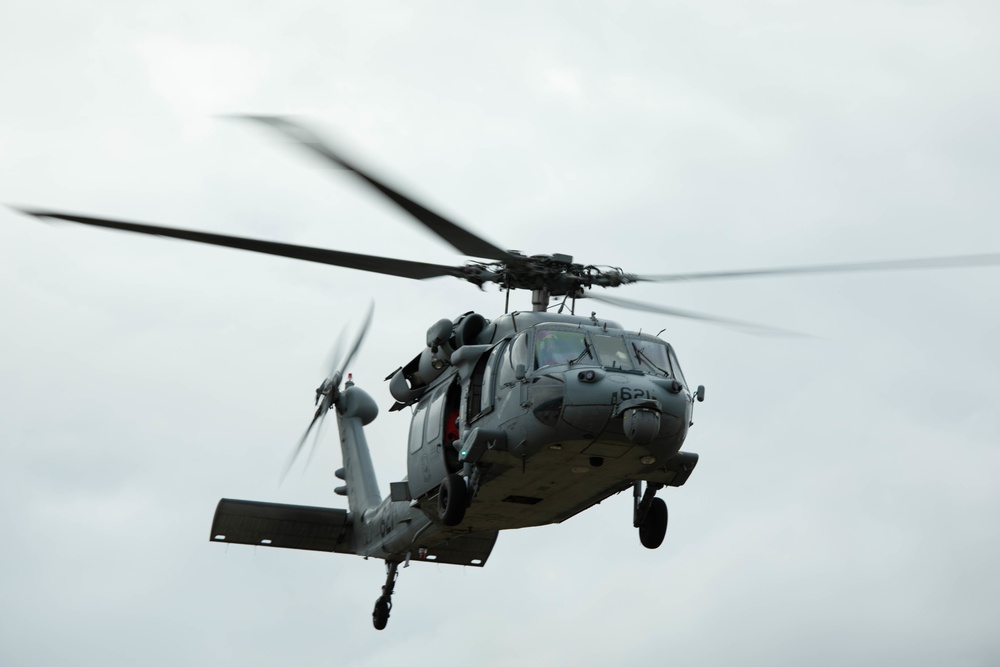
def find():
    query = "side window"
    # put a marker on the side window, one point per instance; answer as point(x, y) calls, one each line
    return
point(516, 353)
point(676, 366)
point(434, 417)
point(491, 365)
point(480, 398)
point(417, 428)
point(520, 353)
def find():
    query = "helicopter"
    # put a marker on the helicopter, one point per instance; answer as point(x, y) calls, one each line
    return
point(525, 419)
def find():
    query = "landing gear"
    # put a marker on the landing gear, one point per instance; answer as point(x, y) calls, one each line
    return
point(453, 498)
point(654, 528)
point(380, 615)
point(650, 515)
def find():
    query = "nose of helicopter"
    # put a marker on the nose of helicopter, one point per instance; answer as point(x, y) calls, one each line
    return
point(641, 409)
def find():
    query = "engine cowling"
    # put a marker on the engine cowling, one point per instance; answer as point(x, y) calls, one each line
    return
point(410, 382)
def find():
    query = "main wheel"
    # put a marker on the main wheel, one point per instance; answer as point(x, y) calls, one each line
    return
point(380, 615)
point(453, 498)
point(654, 528)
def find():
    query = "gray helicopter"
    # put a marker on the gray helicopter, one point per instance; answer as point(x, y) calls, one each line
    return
point(523, 420)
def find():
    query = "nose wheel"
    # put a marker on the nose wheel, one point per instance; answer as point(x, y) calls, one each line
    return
point(380, 614)
point(650, 515)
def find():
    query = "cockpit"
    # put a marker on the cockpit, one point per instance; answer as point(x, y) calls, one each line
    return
point(616, 351)
point(555, 347)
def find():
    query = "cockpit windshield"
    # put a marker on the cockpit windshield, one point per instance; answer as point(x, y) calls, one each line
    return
point(554, 347)
point(650, 356)
point(612, 352)
point(628, 352)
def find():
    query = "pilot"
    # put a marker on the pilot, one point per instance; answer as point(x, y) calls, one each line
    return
point(556, 347)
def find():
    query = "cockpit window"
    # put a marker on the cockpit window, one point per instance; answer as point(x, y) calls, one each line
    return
point(677, 368)
point(650, 356)
point(554, 347)
point(612, 352)
point(518, 354)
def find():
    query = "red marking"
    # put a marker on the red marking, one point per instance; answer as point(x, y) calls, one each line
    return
point(451, 426)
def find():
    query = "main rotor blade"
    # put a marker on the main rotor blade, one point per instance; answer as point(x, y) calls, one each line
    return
point(385, 265)
point(457, 236)
point(749, 327)
point(961, 261)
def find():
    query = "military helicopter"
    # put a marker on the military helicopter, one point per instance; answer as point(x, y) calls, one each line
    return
point(522, 420)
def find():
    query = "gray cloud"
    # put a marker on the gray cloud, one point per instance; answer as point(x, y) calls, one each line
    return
point(844, 508)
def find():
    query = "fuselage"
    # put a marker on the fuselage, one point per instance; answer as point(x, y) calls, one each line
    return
point(545, 415)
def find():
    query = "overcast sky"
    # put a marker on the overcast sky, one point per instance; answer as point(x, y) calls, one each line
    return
point(845, 508)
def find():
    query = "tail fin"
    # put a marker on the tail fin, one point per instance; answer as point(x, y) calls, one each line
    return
point(356, 409)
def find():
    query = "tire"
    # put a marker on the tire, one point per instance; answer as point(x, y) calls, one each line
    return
point(380, 615)
point(453, 498)
point(654, 528)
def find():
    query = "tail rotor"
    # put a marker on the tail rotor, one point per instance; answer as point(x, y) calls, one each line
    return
point(328, 392)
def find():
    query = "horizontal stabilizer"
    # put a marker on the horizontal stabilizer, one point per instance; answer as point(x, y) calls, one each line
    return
point(471, 549)
point(277, 525)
